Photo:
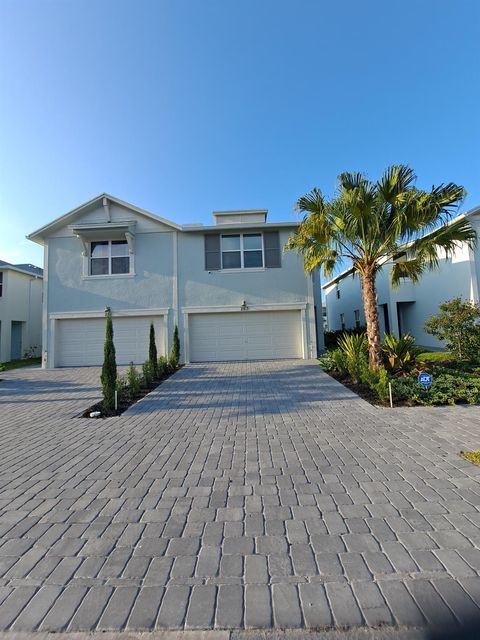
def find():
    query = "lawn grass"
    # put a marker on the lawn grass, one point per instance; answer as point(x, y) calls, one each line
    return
point(473, 456)
point(17, 364)
point(435, 357)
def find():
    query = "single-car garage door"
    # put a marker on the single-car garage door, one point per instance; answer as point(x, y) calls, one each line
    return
point(79, 341)
point(247, 335)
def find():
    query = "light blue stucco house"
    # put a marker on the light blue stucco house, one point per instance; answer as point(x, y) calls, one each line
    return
point(229, 287)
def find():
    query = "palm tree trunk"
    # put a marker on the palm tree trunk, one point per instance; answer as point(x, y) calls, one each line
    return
point(371, 317)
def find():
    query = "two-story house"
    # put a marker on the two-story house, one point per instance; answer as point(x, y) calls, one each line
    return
point(20, 311)
point(404, 309)
point(229, 287)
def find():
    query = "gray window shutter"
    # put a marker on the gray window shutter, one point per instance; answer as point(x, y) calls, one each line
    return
point(212, 252)
point(273, 258)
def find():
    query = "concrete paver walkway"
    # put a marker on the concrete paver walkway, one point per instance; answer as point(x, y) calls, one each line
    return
point(240, 495)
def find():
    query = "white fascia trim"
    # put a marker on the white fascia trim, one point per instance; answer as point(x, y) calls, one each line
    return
point(294, 306)
point(124, 313)
point(38, 234)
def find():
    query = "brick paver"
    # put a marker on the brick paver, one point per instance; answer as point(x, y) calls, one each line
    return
point(239, 495)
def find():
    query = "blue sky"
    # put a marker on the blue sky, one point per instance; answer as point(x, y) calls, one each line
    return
point(186, 106)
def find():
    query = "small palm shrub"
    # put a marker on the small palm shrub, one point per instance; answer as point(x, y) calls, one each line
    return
point(134, 381)
point(399, 354)
point(354, 348)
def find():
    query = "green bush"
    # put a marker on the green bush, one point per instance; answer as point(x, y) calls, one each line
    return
point(340, 360)
point(380, 385)
point(447, 388)
point(148, 373)
point(108, 377)
point(163, 366)
point(354, 347)
point(134, 382)
point(458, 325)
point(331, 337)
point(400, 354)
point(175, 352)
point(152, 351)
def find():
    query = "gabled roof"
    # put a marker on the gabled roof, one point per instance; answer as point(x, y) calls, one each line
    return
point(350, 270)
point(28, 269)
point(39, 234)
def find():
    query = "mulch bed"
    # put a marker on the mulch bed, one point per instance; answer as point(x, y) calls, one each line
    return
point(367, 394)
point(123, 402)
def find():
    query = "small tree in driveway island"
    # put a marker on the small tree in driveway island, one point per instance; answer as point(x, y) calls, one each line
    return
point(109, 367)
point(152, 352)
point(370, 223)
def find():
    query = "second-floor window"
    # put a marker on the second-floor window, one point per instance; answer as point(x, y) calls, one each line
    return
point(1, 284)
point(109, 257)
point(242, 251)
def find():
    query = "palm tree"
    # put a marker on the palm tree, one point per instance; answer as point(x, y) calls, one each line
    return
point(369, 223)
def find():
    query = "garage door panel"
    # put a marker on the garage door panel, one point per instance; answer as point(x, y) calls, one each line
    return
point(259, 335)
point(79, 342)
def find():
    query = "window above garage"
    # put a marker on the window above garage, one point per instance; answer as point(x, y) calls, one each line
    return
point(108, 249)
point(109, 257)
point(242, 251)
point(237, 251)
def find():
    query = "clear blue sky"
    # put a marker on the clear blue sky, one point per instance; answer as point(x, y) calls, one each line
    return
point(186, 106)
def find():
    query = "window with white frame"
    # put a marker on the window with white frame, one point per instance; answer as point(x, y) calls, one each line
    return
point(356, 314)
point(242, 251)
point(109, 257)
point(1, 284)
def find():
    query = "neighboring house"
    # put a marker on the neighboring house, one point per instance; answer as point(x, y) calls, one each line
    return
point(404, 309)
point(230, 289)
point(20, 311)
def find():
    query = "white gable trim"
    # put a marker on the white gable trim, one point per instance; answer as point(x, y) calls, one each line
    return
point(104, 200)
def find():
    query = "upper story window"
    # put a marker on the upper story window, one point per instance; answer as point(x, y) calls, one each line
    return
point(1, 284)
point(242, 251)
point(109, 257)
point(356, 314)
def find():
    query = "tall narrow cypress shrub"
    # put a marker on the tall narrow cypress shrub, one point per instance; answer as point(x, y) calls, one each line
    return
point(109, 367)
point(152, 352)
point(175, 352)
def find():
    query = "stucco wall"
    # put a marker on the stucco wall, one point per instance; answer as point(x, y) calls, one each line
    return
point(151, 287)
point(21, 301)
point(169, 274)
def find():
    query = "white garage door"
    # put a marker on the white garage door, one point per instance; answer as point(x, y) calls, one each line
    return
point(79, 342)
point(254, 335)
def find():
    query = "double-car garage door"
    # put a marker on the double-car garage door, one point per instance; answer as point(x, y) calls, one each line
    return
point(79, 341)
point(247, 335)
point(213, 337)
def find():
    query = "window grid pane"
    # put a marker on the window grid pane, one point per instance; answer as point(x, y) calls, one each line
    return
point(252, 259)
point(252, 242)
point(231, 260)
point(99, 266)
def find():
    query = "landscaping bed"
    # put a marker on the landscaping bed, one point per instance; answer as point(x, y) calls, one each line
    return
point(454, 381)
point(126, 398)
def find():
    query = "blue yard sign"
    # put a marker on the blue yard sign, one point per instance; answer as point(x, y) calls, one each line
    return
point(425, 379)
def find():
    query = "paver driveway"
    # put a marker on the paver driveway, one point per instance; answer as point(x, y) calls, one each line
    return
point(241, 494)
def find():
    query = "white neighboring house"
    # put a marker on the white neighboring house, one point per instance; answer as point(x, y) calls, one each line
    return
point(20, 310)
point(406, 308)
point(232, 292)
